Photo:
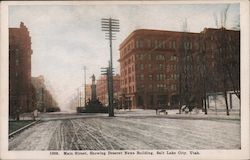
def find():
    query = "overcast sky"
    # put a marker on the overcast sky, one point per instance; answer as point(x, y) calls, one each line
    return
point(67, 37)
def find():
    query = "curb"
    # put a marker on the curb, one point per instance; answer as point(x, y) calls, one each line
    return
point(23, 128)
point(203, 118)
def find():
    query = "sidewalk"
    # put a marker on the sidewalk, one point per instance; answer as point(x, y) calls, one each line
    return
point(174, 114)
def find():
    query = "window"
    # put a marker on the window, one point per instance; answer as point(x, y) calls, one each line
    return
point(141, 56)
point(171, 67)
point(149, 57)
point(160, 87)
point(175, 76)
point(163, 44)
point(160, 44)
point(137, 43)
point(156, 43)
point(174, 46)
point(141, 66)
point(175, 88)
point(170, 44)
point(142, 86)
point(175, 67)
point(150, 87)
point(149, 66)
point(160, 57)
point(149, 43)
point(160, 77)
point(173, 58)
point(188, 45)
point(141, 77)
point(17, 62)
point(168, 68)
point(150, 77)
point(161, 66)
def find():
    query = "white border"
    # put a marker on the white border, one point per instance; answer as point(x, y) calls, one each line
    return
point(204, 154)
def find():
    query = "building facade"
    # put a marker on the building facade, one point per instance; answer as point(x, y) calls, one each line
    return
point(20, 89)
point(102, 91)
point(88, 92)
point(164, 67)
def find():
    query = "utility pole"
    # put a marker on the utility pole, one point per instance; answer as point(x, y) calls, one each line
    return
point(84, 68)
point(80, 97)
point(110, 26)
point(77, 97)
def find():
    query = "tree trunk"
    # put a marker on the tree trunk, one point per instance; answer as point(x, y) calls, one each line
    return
point(225, 96)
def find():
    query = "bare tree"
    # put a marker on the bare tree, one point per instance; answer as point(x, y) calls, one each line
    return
point(228, 56)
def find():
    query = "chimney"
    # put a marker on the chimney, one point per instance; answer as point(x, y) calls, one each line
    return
point(22, 25)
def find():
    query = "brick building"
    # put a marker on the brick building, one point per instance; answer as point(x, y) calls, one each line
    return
point(102, 91)
point(162, 67)
point(223, 58)
point(20, 88)
point(88, 92)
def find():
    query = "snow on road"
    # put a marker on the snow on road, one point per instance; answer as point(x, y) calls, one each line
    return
point(129, 133)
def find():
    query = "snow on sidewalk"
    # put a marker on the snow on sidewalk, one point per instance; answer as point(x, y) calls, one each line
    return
point(175, 114)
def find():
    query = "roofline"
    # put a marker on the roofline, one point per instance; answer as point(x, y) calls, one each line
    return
point(150, 31)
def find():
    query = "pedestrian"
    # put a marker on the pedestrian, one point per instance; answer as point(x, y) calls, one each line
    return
point(157, 107)
point(35, 114)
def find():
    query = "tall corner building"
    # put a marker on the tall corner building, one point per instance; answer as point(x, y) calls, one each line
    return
point(156, 65)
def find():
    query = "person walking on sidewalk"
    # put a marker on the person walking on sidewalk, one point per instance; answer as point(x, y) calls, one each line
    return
point(156, 109)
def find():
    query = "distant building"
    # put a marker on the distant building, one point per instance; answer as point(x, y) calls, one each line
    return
point(39, 85)
point(45, 102)
point(102, 90)
point(161, 67)
point(20, 89)
point(88, 92)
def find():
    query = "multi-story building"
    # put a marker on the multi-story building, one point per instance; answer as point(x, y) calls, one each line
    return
point(102, 91)
point(223, 58)
point(20, 89)
point(161, 67)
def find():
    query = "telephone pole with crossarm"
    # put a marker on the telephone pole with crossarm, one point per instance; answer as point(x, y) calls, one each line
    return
point(110, 27)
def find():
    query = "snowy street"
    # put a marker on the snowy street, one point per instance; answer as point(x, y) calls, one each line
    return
point(127, 131)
